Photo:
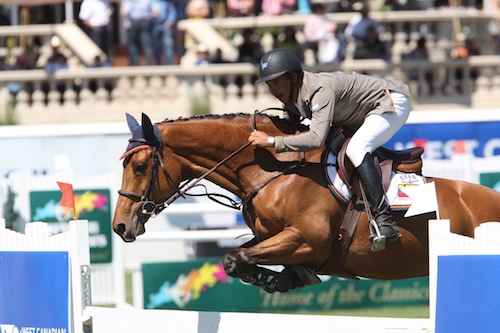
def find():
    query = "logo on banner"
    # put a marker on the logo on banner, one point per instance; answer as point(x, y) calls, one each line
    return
point(7, 328)
point(188, 287)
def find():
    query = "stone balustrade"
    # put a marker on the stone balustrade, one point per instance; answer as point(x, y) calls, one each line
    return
point(105, 94)
point(398, 29)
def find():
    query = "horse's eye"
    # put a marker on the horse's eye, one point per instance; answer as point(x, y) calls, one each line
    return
point(140, 168)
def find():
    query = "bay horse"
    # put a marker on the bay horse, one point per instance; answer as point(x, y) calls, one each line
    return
point(285, 199)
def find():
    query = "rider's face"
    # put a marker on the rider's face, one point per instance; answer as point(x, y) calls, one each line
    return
point(280, 88)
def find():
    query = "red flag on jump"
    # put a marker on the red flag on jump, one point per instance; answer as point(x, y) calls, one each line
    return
point(68, 197)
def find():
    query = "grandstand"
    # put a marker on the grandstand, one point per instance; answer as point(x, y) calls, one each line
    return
point(103, 95)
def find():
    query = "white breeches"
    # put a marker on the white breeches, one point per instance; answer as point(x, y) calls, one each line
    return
point(377, 129)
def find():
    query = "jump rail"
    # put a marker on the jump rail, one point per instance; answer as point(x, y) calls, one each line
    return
point(38, 238)
point(443, 244)
point(160, 321)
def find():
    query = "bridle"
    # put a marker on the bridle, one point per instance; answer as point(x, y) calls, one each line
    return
point(149, 206)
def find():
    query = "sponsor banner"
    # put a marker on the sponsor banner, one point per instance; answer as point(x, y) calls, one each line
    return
point(467, 294)
point(202, 285)
point(490, 179)
point(34, 289)
point(443, 140)
point(91, 204)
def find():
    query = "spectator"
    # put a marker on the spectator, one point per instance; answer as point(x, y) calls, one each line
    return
point(55, 63)
point(196, 9)
point(218, 58)
point(278, 7)
point(358, 28)
point(4, 65)
point(372, 47)
point(420, 53)
point(164, 18)
point(179, 39)
point(250, 50)
point(13, 87)
point(319, 30)
point(469, 48)
point(239, 8)
point(138, 14)
point(22, 63)
point(202, 55)
point(288, 40)
point(94, 84)
point(95, 15)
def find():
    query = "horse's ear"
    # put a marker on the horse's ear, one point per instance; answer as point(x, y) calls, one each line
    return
point(132, 122)
point(149, 132)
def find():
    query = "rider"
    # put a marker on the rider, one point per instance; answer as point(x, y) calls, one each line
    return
point(373, 108)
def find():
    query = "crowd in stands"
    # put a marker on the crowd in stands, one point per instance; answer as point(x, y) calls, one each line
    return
point(154, 39)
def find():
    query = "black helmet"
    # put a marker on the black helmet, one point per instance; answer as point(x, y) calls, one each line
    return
point(276, 63)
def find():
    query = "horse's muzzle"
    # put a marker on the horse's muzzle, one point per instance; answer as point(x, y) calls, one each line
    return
point(130, 232)
point(121, 230)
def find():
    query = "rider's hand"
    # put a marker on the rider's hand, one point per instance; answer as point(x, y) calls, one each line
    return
point(259, 139)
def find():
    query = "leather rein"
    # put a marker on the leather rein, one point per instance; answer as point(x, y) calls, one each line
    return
point(150, 207)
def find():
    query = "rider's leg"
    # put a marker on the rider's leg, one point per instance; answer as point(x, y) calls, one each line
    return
point(373, 133)
point(372, 185)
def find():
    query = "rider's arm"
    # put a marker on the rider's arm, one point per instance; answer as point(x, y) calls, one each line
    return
point(322, 108)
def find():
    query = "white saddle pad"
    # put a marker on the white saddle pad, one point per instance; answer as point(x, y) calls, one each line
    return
point(395, 194)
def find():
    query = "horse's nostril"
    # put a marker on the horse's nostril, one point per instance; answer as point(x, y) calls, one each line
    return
point(120, 229)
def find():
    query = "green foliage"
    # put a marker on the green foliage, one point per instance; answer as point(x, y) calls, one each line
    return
point(11, 215)
point(200, 102)
point(9, 118)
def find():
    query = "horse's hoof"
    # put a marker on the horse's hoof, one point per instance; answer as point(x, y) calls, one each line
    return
point(229, 264)
point(280, 283)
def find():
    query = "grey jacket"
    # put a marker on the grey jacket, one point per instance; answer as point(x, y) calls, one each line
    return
point(341, 99)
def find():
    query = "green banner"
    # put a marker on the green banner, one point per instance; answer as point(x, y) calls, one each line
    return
point(203, 285)
point(490, 179)
point(92, 205)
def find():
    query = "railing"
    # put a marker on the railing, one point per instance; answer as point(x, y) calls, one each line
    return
point(104, 94)
point(399, 29)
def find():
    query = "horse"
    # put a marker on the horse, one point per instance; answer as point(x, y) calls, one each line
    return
point(285, 201)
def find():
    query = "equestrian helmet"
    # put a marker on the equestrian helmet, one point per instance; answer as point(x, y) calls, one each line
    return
point(276, 63)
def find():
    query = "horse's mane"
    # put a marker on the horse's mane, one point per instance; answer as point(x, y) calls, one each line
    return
point(222, 116)
point(207, 116)
point(277, 121)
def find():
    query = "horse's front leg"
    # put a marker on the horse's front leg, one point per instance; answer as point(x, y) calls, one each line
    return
point(286, 248)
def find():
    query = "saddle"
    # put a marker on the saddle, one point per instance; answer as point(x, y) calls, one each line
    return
point(406, 161)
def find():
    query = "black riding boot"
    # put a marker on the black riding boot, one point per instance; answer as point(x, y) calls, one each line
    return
point(372, 185)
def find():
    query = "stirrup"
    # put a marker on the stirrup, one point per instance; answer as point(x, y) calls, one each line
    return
point(376, 235)
point(376, 238)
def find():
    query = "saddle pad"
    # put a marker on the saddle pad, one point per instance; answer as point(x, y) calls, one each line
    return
point(395, 194)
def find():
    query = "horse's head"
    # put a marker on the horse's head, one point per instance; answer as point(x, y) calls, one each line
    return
point(145, 180)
